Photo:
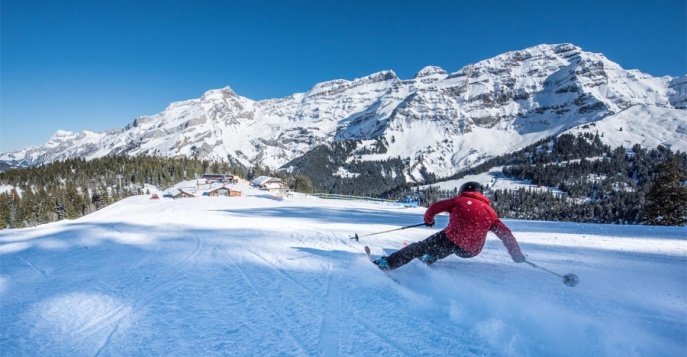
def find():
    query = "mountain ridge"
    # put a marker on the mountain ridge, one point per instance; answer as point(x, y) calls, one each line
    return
point(438, 121)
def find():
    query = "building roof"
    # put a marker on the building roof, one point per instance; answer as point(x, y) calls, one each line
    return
point(225, 188)
point(261, 180)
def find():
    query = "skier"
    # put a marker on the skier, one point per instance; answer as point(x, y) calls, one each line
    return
point(470, 218)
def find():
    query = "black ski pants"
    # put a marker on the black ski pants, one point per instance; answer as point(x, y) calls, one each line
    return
point(437, 245)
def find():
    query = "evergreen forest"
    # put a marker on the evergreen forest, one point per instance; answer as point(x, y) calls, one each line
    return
point(74, 188)
point(573, 178)
point(579, 179)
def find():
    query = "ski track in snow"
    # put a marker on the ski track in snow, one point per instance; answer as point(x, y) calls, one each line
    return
point(253, 276)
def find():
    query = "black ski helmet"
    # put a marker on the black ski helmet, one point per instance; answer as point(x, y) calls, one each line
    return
point(471, 186)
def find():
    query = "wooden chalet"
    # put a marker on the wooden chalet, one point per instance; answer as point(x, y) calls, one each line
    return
point(270, 184)
point(183, 194)
point(224, 191)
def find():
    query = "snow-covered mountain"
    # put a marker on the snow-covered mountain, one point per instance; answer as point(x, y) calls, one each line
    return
point(436, 121)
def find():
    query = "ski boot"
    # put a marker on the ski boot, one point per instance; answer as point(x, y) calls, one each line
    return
point(381, 263)
point(428, 259)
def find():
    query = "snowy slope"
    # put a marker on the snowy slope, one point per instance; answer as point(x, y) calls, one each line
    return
point(644, 125)
point(440, 121)
point(254, 276)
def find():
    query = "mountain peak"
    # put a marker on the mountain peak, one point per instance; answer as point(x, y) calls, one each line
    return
point(62, 135)
point(338, 86)
point(514, 98)
point(381, 76)
point(566, 49)
point(430, 71)
point(225, 92)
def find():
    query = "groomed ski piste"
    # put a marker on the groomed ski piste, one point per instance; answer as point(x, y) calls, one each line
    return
point(257, 276)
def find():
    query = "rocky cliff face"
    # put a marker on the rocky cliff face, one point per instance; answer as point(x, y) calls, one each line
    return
point(436, 121)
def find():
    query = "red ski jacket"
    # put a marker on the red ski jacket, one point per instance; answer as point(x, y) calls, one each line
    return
point(470, 218)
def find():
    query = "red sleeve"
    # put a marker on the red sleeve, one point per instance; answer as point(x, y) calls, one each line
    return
point(436, 208)
point(506, 236)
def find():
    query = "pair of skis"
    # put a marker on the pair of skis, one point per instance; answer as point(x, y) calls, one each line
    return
point(568, 279)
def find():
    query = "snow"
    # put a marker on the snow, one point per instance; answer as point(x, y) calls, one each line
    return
point(494, 179)
point(341, 172)
point(215, 276)
point(7, 188)
point(644, 125)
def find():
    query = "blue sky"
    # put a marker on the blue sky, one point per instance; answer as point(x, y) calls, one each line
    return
point(80, 64)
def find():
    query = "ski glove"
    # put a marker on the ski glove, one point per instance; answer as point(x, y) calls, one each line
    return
point(430, 224)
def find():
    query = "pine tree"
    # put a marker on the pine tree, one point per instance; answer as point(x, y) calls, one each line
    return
point(60, 211)
point(302, 183)
point(5, 206)
point(667, 198)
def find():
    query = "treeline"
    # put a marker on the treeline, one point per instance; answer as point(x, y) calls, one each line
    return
point(618, 207)
point(73, 188)
point(596, 183)
point(580, 179)
point(329, 169)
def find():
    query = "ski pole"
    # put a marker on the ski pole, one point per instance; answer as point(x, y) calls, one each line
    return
point(357, 237)
point(568, 279)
